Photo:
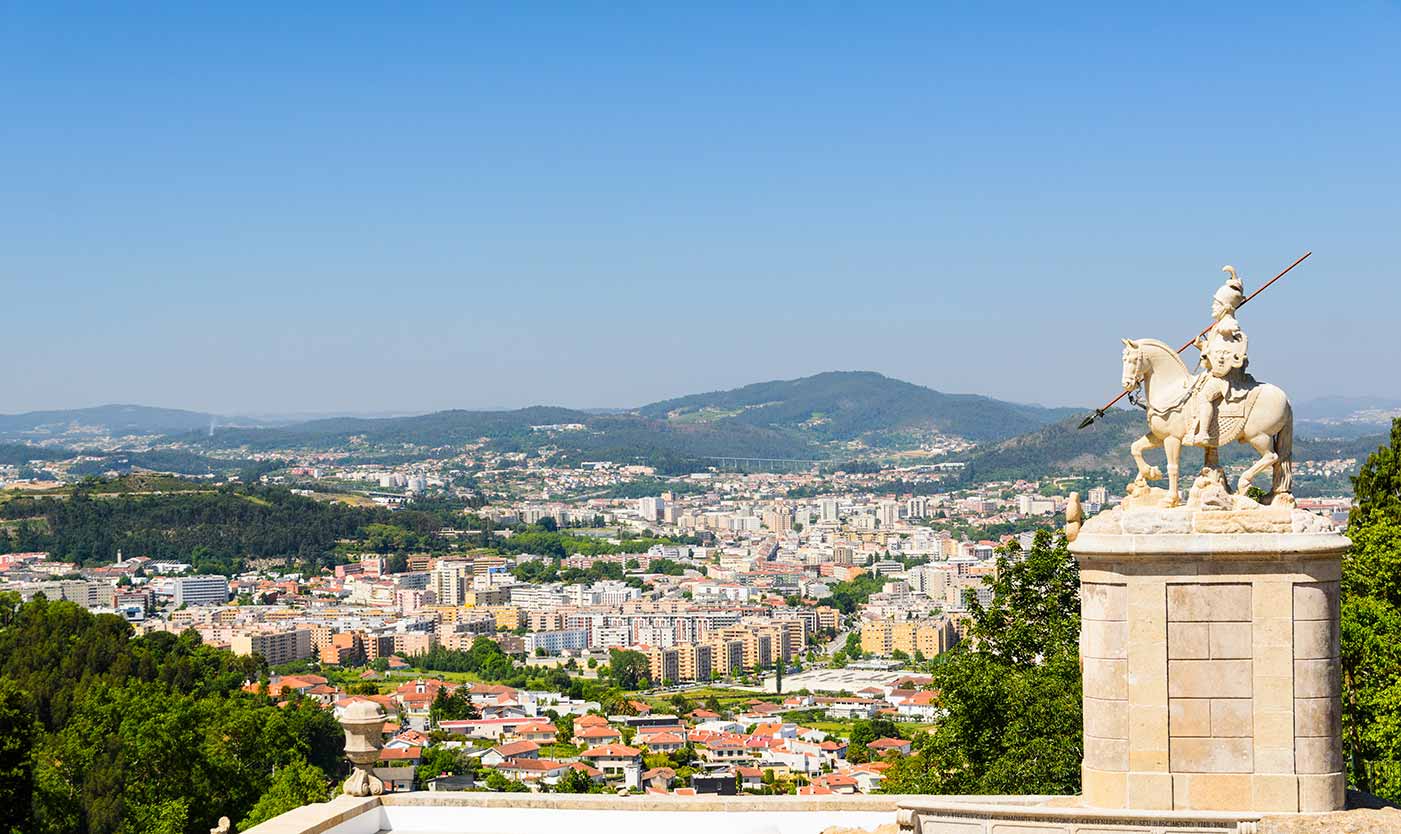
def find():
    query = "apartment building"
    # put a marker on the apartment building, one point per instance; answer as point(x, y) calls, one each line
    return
point(929, 637)
point(276, 647)
point(201, 590)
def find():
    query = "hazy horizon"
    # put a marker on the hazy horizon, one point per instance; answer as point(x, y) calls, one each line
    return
point(284, 210)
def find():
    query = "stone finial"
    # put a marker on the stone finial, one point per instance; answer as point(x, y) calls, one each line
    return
point(224, 826)
point(364, 736)
point(1074, 516)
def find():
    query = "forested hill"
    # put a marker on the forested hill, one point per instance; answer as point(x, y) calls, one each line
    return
point(112, 419)
point(215, 529)
point(578, 435)
point(851, 405)
point(811, 419)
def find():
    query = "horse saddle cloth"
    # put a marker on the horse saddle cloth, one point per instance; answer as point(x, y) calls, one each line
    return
point(1231, 413)
point(1226, 429)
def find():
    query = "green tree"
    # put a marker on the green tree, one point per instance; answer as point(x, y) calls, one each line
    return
point(564, 727)
point(295, 784)
point(18, 731)
point(1371, 625)
point(1011, 694)
point(574, 781)
point(629, 670)
point(853, 645)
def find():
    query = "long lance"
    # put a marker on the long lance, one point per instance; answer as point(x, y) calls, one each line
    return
point(1099, 412)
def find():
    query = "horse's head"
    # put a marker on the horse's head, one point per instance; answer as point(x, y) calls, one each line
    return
point(1136, 365)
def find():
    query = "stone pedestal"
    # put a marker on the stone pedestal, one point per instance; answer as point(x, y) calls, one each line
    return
point(1210, 651)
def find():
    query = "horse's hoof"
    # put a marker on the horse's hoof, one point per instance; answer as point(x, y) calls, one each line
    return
point(1174, 501)
point(1153, 474)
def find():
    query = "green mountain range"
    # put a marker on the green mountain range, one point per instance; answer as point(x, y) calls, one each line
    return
point(814, 418)
point(855, 406)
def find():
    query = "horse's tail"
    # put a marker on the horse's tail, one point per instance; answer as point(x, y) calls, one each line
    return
point(1284, 449)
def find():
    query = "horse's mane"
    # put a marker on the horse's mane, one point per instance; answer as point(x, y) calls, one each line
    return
point(1163, 346)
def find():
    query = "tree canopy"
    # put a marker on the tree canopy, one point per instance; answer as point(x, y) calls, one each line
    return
point(1009, 695)
point(1371, 625)
point(133, 735)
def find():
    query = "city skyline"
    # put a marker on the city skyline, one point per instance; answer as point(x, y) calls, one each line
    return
point(237, 211)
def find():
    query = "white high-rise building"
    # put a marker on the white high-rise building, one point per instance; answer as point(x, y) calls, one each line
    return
point(450, 582)
point(829, 509)
point(201, 590)
point(650, 508)
point(888, 513)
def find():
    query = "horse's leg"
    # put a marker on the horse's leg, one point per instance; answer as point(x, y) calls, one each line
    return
point(1264, 444)
point(1172, 447)
point(1144, 443)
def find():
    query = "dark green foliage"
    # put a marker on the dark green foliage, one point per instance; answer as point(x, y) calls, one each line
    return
point(296, 783)
point(55, 651)
point(18, 734)
point(215, 530)
point(18, 454)
point(1377, 487)
point(864, 732)
point(575, 781)
point(485, 659)
point(1371, 626)
point(1011, 694)
point(629, 670)
point(846, 596)
point(454, 707)
point(150, 734)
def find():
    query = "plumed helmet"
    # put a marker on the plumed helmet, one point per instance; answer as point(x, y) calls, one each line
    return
point(1232, 293)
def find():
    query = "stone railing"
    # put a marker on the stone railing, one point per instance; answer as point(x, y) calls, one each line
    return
point(439, 812)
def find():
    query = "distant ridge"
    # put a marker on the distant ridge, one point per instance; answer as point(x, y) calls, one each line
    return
point(116, 419)
point(856, 405)
point(812, 418)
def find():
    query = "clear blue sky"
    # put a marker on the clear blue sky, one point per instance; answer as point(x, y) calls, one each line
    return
point(250, 207)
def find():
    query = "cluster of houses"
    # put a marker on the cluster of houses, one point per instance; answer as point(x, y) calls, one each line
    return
point(523, 736)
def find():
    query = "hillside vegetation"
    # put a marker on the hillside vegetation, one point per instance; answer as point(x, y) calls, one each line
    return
point(854, 405)
point(813, 418)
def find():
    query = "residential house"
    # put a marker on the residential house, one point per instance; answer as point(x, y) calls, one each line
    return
point(533, 770)
point(401, 756)
point(540, 732)
point(662, 742)
point(750, 778)
point(596, 736)
point(884, 746)
point(515, 750)
point(613, 758)
point(396, 779)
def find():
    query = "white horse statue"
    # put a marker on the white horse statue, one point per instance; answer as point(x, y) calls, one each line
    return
point(1259, 414)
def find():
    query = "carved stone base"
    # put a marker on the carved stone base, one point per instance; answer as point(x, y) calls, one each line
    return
point(363, 783)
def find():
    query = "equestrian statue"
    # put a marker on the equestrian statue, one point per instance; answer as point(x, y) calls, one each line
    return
point(1219, 404)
